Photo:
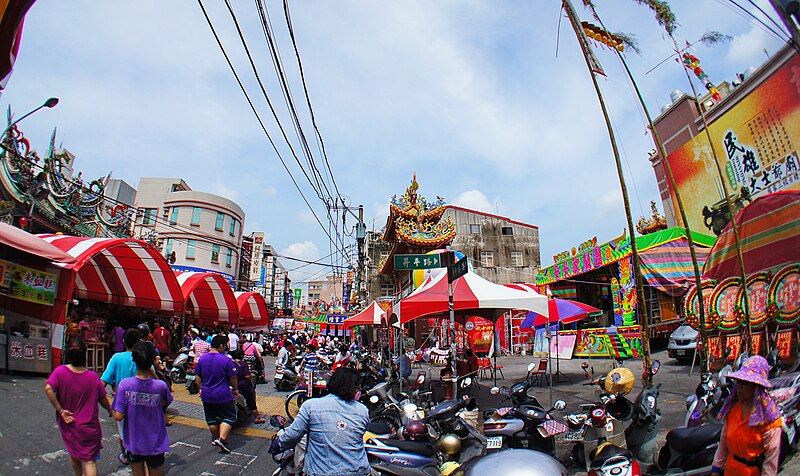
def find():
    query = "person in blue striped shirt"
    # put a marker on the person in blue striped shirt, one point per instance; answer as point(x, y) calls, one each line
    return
point(310, 359)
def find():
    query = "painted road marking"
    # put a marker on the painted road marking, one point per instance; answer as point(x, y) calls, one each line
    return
point(197, 423)
point(233, 458)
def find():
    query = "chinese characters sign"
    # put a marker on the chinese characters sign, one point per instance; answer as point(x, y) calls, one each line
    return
point(32, 355)
point(756, 142)
point(410, 262)
point(29, 284)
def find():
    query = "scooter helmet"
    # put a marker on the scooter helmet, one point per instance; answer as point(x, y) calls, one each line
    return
point(144, 330)
point(415, 430)
point(449, 444)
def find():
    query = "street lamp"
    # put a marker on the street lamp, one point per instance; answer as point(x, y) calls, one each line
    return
point(50, 103)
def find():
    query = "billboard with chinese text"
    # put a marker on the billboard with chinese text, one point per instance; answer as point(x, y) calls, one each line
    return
point(756, 142)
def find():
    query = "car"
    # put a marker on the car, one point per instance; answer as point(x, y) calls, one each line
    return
point(682, 343)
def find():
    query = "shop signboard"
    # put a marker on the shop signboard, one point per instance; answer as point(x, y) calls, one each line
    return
point(337, 319)
point(479, 332)
point(28, 355)
point(256, 255)
point(619, 342)
point(30, 284)
point(756, 144)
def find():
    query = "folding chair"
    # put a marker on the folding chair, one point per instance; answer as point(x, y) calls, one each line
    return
point(485, 368)
point(540, 372)
point(499, 368)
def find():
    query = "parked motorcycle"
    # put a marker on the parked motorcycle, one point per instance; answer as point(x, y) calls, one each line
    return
point(524, 427)
point(641, 433)
point(183, 361)
point(710, 394)
point(517, 462)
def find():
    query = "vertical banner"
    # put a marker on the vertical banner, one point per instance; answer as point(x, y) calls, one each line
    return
point(585, 46)
point(256, 255)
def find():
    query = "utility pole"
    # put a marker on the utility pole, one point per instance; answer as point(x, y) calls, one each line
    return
point(361, 235)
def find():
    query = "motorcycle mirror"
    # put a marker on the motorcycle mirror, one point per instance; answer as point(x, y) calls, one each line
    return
point(277, 421)
point(560, 405)
point(466, 382)
point(655, 366)
point(531, 366)
point(409, 409)
point(494, 390)
point(421, 379)
point(374, 399)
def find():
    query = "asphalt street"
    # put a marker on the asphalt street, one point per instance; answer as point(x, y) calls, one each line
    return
point(31, 444)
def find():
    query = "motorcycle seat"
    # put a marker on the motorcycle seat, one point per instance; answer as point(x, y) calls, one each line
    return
point(420, 448)
point(609, 451)
point(379, 428)
point(691, 439)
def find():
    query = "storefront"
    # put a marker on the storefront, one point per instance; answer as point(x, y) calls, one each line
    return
point(209, 300)
point(602, 276)
point(113, 280)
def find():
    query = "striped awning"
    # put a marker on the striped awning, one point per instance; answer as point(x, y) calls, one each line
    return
point(769, 233)
point(208, 296)
point(252, 309)
point(668, 266)
point(120, 271)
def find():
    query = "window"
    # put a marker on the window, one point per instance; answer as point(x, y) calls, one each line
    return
point(220, 221)
point(190, 249)
point(507, 231)
point(229, 257)
point(475, 229)
point(173, 215)
point(487, 259)
point(196, 216)
point(149, 216)
point(387, 289)
point(233, 226)
point(516, 259)
point(168, 246)
point(652, 297)
point(215, 253)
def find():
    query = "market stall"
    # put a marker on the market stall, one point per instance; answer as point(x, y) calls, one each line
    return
point(253, 312)
point(123, 272)
point(32, 292)
point(209, 299)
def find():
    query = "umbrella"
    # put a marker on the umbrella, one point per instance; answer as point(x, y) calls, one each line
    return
point(560, 310)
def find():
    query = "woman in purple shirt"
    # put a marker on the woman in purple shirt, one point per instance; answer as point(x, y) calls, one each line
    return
point(75, 392)
point(141, 401)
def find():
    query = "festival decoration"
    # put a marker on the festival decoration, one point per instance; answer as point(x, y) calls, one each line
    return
point(602, 36)
point(724, 302)
point(692, 63)
point(784, 295)
point(419, 275)
point(655, 223)
point(757, 288)
point(691, 304)
point(418, 223)
point(47, 187)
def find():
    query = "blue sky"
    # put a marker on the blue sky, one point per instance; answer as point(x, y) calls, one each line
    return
point(470, 95)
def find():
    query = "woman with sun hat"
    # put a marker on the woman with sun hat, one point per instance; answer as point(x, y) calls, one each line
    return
point(751, 434)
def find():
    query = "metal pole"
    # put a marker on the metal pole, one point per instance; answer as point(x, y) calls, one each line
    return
point(451, 307)
point(549, 357)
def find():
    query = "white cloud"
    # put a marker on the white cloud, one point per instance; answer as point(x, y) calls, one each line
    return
point(475, 200)
point(306, 250)
point(270, 191)
point(306, 216)
point(748, 48)
point(609, 203)
point(224, 190)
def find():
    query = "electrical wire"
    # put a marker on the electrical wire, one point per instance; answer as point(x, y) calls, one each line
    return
point(752, 17)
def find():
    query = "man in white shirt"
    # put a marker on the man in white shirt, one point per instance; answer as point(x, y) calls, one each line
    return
point(233, 341)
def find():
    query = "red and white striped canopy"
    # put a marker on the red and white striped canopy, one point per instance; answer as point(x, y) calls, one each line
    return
point(252, 309)
point(373, 315)
point(208, 296)
point(472, 296)
point(121, 271)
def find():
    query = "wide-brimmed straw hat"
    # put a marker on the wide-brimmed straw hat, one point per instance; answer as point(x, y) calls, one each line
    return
point(755, 370)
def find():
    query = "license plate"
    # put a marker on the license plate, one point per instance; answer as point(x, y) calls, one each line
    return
point(575, 435)
point(494, 442)
point(680, 352)
point(190, 377)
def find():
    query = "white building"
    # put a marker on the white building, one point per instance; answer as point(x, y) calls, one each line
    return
point(197, 231)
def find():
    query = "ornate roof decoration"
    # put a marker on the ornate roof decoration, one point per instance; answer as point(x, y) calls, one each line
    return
point(417, 222)
point(47, 189)
point(657, 222)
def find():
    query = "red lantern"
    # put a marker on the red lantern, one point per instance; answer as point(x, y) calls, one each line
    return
point(23, 222)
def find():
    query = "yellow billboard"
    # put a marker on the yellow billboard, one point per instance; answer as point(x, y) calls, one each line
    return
point(756, 142)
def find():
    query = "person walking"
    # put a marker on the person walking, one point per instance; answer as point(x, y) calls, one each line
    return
point(233, 340)
point(216, 376)
point(162, 338)
point(252, 355)
point(244, 377)
point(751, 432)
point(199, 345)
point(116, 339)
point(335, 425)
point(74, 391)
point(120, 367)
point(140, 402)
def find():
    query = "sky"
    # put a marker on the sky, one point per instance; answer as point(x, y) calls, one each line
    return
point(488, 102)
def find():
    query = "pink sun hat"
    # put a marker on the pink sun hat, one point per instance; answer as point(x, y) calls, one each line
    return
point(755, 370)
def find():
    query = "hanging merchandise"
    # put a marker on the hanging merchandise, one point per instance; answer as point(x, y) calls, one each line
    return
point(601, 35)
point(692, 63)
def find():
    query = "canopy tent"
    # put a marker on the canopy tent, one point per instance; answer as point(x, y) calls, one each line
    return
point(373, 315)
point(120, 271)
point(769, 233)
point(208, 296)
point(472, 296)
point(253, 311)
point(24, 241)
point(560, 310)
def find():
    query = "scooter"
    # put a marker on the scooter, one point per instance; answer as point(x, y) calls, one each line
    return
point(523, 427)
point(641, 433)
point(180, 365)
point(709, 396)
point(690, 450)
